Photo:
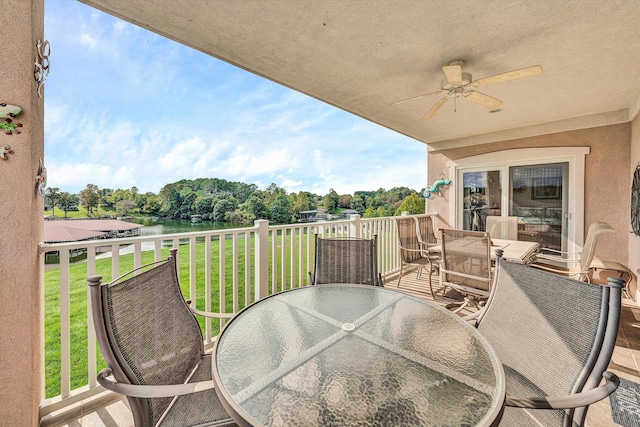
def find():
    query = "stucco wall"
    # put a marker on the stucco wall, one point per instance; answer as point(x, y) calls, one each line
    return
point(21, 210)
point(607, 195)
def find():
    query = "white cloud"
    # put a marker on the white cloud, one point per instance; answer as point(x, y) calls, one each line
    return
point(182, 155)
point(88, 41)
point(259, 161)
point(291, 185)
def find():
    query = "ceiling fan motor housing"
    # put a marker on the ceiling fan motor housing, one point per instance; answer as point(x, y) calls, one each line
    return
point(466, 79)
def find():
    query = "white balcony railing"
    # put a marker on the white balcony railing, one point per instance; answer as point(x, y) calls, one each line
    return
point(226, 270)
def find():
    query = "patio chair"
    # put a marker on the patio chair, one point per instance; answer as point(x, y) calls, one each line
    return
point(603, 266)
point(345, 260)
point(555, 337)
point(154, 349)
point(428, 239)
point(502, 227)
point(571, 264)
point(413, 251)
point(466, 265)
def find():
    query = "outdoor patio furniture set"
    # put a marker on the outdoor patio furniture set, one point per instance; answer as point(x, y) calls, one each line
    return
point(346, 350)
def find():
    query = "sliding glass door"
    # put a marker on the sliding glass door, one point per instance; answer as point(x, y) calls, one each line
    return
point(536, 194)
point(539, 200)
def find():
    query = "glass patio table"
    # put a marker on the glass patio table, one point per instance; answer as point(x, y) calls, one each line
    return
point(353, 355)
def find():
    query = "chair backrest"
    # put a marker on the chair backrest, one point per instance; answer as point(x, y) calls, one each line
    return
point(408, 239)
point(146, 331)
point(466, 261)
point(502, 227)
point(554, 336)
point(425, 230)
point(346, 260)
point(589, 247)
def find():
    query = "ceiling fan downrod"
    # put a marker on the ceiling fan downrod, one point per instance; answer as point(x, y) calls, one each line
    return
point(456, 92)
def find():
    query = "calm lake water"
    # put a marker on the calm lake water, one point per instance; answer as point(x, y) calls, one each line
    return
point(153, 227)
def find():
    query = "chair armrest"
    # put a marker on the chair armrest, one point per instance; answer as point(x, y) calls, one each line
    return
point(427, 244)
point(552, 270)
point(212, 314)
point(423, 251)
point(599, 264)
point(411, 250)
point(555, 258)
point(556, 251)
point(570, 401)
point(151, 391)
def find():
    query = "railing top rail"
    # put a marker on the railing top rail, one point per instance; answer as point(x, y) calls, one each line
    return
point(310, 224)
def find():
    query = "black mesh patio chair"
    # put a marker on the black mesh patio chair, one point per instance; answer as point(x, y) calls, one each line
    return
point(414, 251)
point(554, 336)
point(345, 260)
point(466, 265)
point(154, 348)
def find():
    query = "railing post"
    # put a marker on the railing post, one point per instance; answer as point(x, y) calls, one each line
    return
point(354, 225)
point(261, 266)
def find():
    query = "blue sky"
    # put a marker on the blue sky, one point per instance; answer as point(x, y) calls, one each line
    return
point(125, 107)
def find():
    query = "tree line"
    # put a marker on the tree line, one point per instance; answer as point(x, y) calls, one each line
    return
point(235, 202)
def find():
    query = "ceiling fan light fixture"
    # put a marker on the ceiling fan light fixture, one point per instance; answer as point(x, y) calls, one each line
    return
point(466, 79)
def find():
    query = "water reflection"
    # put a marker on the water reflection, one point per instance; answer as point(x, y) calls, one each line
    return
point(154, 227)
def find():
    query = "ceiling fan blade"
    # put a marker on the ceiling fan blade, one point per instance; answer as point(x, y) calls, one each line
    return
point(511, 75)
point(482, 99)
point(453, 73)
point(435, 108)
point(417, 97)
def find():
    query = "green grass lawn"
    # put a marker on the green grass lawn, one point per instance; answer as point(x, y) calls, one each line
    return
point(79, 292)
point(80, 213)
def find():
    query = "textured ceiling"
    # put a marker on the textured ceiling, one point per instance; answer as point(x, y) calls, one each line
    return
point(361, 56)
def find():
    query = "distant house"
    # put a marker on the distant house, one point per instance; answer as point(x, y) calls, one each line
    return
point(347, 212)
point(308, 216)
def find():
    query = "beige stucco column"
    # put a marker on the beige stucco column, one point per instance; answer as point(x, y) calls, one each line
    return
point(21, 213)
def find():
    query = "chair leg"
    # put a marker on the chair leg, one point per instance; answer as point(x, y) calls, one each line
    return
point(468, 301)
point(625, 290)
point(400, 277)
point(430, 279)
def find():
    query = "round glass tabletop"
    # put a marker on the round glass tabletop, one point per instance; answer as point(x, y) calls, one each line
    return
point(349, 355)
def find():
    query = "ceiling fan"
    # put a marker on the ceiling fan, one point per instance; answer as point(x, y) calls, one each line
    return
point(457, 84)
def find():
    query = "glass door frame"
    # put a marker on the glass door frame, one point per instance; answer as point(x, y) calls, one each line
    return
point(503, 160)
